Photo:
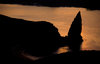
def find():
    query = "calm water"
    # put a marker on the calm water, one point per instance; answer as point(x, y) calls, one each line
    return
point(62, 18)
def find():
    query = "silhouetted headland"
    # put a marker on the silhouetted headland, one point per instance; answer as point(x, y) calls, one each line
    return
point(89, 4)
point(40, 39)
point(35, 38)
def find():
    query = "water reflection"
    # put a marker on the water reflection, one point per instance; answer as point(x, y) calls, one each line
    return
point(62, 18)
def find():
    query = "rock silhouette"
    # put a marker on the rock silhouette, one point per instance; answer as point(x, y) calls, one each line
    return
point(36, 38)
point(74, 39)
point(74, 35)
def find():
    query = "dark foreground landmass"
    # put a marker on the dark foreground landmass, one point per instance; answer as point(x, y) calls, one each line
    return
point(89, 4)
point(65, 58)
point(72, 57)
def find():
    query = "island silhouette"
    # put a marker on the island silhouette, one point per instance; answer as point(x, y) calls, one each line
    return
point(40, 39)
